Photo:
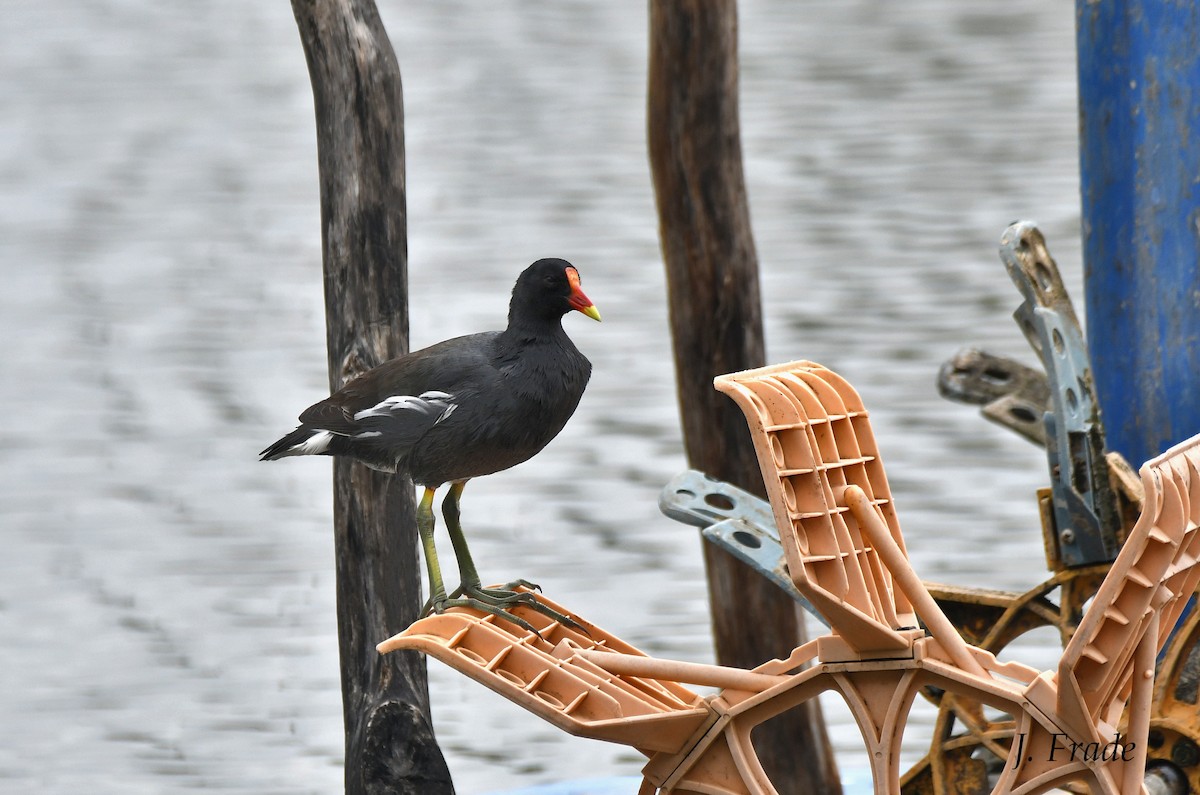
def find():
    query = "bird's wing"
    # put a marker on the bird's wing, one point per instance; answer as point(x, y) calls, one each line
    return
point(409, 394)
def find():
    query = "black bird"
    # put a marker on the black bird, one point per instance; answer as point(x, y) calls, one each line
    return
point(462, 408)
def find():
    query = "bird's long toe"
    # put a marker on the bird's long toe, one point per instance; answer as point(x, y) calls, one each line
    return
point(456, 599)
point(550, 612)
point(507, 598)
point(515, 584)
point(498, 601)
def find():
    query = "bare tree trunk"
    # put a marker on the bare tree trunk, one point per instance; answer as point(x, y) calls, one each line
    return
point(390, 747)
point(716, 324)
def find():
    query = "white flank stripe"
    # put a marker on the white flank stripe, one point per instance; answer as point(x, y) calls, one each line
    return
point(426, 403)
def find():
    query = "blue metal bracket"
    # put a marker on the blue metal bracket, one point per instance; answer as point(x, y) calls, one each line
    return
point(735, 520)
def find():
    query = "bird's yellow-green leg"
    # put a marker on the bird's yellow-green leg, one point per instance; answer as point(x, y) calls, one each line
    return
point(437, 591)
point(471, 592)
point(468, 574)
point(450, 510)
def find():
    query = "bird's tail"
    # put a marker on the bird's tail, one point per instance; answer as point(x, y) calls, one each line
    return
point(302, 441)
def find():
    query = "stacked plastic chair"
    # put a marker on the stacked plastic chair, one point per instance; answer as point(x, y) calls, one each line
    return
point(846, 554)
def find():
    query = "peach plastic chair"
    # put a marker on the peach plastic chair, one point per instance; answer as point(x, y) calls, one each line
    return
point(846, 554)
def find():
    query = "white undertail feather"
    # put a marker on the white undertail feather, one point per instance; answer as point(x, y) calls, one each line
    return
point(315, 444)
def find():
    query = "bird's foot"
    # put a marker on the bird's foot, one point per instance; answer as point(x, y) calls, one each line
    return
point(498, 601)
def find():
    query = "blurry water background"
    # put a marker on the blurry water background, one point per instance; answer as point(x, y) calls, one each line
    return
point(166, 601)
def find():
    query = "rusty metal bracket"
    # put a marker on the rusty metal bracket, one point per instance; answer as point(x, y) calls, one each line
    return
point(1011, 394)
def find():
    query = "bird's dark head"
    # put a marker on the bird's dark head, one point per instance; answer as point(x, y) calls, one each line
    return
point(547, 290)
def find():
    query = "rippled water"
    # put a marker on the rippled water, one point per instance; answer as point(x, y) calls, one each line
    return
point(166, 602)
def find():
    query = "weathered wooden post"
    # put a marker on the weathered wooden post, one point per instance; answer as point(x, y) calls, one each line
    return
point(390, 747)
point(1139, 109)
point(716, 324)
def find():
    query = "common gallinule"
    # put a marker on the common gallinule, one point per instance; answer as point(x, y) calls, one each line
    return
point(462, 408)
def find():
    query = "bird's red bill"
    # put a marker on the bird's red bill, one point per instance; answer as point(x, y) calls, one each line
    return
point(578, 301)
